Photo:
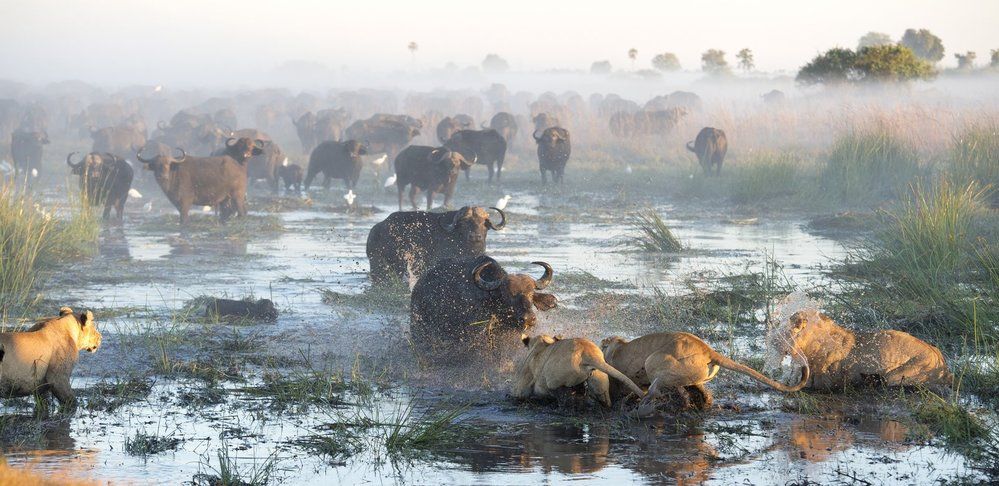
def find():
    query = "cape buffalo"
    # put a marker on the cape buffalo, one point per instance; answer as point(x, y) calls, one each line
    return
point(204, 181)
point(505, 124)
point(409, 242)
point(471, 304)
point(263, 163)
point(429, 169)
point(26, 151)
point(554, 148)
point(482, 146)
point(710, 147)
point(336, 160)
point(645, 122)
point(543, 121)
point(292, 175)
point(305, 126)
point(383, 133)
point(105, 179)
point(119, 141)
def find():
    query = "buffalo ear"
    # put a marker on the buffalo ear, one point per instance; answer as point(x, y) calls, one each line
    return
point(524, 338)
point(257, 151)
point(544, 301)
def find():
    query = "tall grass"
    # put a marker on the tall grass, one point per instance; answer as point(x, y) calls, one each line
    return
point(927, 264)
point(765, 176)
point(655, 235)
point(975, 156)
point(32, 237)
point(866, 166)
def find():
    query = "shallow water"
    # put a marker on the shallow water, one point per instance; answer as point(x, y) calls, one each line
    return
point(153, 269)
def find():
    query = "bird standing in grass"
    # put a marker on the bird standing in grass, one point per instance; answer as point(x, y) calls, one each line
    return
point(501, 203)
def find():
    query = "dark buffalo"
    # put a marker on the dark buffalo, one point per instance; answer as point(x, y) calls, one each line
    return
point(204, 181)
point(554, 148)
point(383, 134)
point(305, 126)
point(336, 160)
point(506, 125)
point(470, 304)
point(26, 151)
point(225, 117)
point(481, 147)
point(543, 121)
point(774, 97)
point(105, 179)
point(428, 169)
point(264, 162)
point(407, 243)
point(228, 309)
point(450, 125)
point(330, 124)
point(644, 122)
point(292, 175)
point(120, 141)
point(710, 147)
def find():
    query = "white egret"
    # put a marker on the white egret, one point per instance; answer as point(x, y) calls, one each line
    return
point(390, 181)
point(501, 204)
point(380, 160)
point(132, 193)
point(627, 170)
point(350, 196)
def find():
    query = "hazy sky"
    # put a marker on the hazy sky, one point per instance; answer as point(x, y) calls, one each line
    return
point(142, 41)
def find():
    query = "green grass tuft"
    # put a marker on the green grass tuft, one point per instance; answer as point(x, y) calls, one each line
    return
point(868, 166)
point(656, 236)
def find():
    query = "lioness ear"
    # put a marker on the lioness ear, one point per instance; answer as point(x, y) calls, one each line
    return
point(86, 317)
point(524, 338)
point(797, 321)
point(65, 311)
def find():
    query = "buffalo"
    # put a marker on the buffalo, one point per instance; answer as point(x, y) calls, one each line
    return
point(407, 243)
point(554, 148)
point(336, 160)
point(305, 126)
point(384, 133)
point(480, 146)
point(26, 151)
point(292, 175)
point(774, 97)
point(448, 126)
point(205, 181)
point(710, 147)
point(505, 124)
point(118, 141)
point(428, 169)
point(104, 179)
point(471, 304)
point(543, 121)
point(264, 162)
point(645, 122)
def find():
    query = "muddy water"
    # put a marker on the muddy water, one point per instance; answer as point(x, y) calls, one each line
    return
point(150, 269)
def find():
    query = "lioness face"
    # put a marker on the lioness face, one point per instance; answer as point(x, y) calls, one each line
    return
point(90, 337)
point(537, 344)
point(609, 345)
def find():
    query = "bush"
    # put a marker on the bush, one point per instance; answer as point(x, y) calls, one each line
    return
point(868, 166)
point(766, 176)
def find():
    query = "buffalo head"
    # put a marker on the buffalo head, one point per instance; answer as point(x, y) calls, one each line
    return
point(517, 292)
point(243, 148)
point(470, 224)
point(448, 162)
point(162, 166)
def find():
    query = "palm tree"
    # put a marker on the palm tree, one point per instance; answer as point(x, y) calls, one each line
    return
point(413, 47)
point(632, 54)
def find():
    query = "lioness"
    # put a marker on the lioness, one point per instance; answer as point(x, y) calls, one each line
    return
point(553, 363)
point(839, 357)
point(41, 359)
point(680, 361)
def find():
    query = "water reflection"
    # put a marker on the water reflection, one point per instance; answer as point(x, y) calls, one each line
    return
point(113, 245)
point(182, 246)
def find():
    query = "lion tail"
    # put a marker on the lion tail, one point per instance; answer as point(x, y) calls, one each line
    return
point(612, 371)
point(730, 364)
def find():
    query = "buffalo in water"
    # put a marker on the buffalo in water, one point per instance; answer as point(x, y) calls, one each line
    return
point(292, 176)
point(336, 160)
point(710, 147)
point(554, 148)
point(218, 181)
point(480, 146)
point(407, 243)
point(428, 169)
point(263, 165)
point(450, 125)
point(385, 133)
point(105, 179)
point(470, 307)
point(26, 151)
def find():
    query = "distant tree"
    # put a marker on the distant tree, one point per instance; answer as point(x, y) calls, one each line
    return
point(872, 39)
point(893, 63)
point(924, 44)
point(995, 58)
point(746, 62)
point(632, 54)
point(966, 61)
point(666, 61)
point(713, 62)
point(835, 66)
point(495, 64)
point(600, 67)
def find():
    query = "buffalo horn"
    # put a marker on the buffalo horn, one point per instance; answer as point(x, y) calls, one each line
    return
point(484, 284)
point(546, 279)
point(70, 163)
point(502, 223)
